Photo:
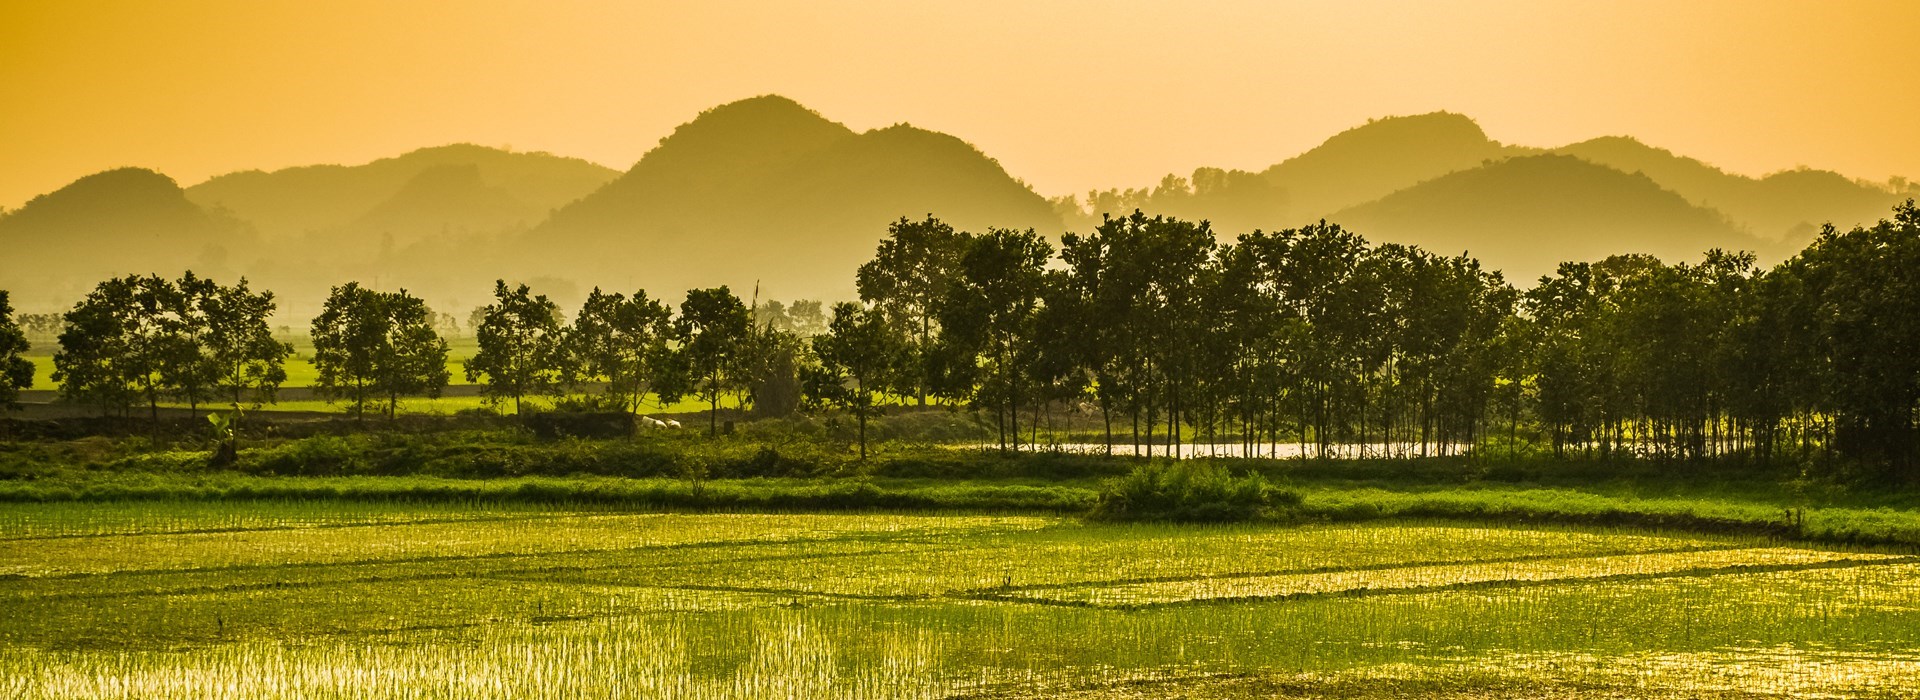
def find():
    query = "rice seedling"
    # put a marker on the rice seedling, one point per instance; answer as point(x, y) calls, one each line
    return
point(273, 600)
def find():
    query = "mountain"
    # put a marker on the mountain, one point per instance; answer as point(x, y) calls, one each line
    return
point(767, 191)
point(1525, 215)
point(1358, 165)
point(448, 199)
point(128, 220)
point(1785, 206)
point(1382, 156)
point(408, 196)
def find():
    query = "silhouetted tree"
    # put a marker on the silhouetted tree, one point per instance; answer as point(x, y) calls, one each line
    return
point(1865, 326)
point(987, 318)
point(249, 363)
point(806, 318)
point(187, 372)
point(115, 345)
point(914, 269)
point(16, 372)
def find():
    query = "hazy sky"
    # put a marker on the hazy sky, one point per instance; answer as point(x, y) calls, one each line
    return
point(1067, 95)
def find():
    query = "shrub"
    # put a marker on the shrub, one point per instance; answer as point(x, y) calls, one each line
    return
point(1190, 492)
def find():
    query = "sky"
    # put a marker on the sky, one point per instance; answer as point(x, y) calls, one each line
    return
point(1068, 96)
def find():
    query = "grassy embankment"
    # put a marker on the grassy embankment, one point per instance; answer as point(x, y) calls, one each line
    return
point(805, 465)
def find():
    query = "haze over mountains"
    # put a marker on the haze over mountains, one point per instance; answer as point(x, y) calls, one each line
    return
point(766, 191)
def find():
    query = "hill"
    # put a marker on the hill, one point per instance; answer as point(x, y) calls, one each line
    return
point(1382, 156)
point(449, 200)
point(765, 190)
point(1786, 206)
point(390, 196)
point(128, 220)
point(1527, 214)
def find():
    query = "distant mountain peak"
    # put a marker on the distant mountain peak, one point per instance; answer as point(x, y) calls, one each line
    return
point(102, 193)
point(781, 194)
point(762, 103)
point(1449, 126)
point(770, 115)
point(1384, 155)
point(121, 179)
point(1526, 214)
point(108, 223)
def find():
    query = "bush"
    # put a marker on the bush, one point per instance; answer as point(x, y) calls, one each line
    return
point(1190, 492)
point(555, 425)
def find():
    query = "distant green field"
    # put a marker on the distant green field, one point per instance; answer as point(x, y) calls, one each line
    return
point(300, 370)
point(345, 599)
point(449, 405)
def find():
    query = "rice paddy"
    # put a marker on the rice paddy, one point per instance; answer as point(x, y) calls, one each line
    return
point(346, 599)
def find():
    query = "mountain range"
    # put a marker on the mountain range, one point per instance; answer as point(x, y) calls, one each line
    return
point(765, 193)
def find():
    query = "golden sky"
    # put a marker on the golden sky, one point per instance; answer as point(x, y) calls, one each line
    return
point(1067, 95)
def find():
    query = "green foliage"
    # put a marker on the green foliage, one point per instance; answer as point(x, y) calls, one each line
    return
point(911, 274)
point(188, 341)
point(988, 324)
point(857, 355)
point(369, 345)
point(520, 340)
point(1190, 492)
point(248, 363)
point(1855, 320)
point(108, 352)
point(710, 363)
point(622, 341)
point(771, 369)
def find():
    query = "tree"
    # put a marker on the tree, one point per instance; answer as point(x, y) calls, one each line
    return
point(987, 319)
point(620, 340)
point(41, 325)
point(713, 329)
point(250, 363)
point(187, 372)
point(519, 340)
point(369, 344)
point(414, 361)
point(348, 337)
point(806, 318)
point(770, 367)
point(114, 346)
point(857, 354)
point(914, 268)
point(1865, 326)
point(16, 372)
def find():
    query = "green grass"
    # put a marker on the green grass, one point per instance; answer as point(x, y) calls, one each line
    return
point(42, 368)
point(300, 369)
point(449, 405)
point(807, 464)
point(346, 598)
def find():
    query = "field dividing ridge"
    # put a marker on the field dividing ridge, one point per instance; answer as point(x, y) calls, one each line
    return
point(1419, 578)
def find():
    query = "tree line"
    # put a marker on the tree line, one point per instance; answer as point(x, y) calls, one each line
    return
point(1153, 326)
